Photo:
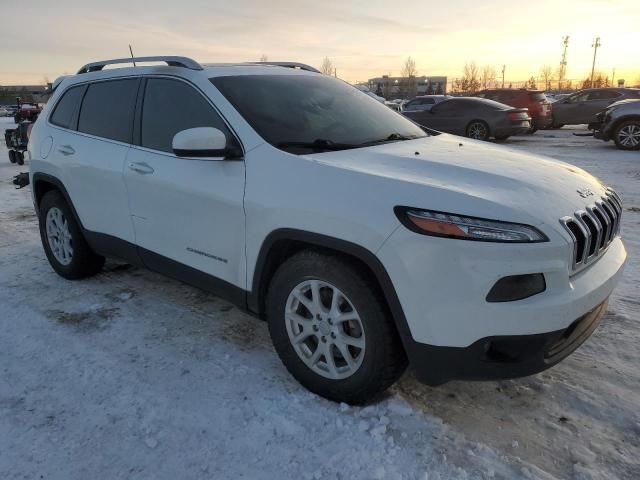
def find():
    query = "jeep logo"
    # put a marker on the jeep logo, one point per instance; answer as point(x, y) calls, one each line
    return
point(584, 192)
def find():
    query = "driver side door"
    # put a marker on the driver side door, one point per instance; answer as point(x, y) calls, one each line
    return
point(185, 210)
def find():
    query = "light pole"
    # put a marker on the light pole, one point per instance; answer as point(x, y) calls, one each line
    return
point(595, 45)
point(504, 67)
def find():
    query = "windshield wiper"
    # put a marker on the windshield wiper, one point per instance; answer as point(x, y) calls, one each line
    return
point(319, 145)
point(394, 137)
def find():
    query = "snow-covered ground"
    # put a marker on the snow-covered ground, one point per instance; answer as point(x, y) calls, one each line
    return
point(131, 375)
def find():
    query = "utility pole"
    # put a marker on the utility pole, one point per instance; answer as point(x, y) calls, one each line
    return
point(563, 62)
point(613, 77)
point(504, 67)
point(596, 43)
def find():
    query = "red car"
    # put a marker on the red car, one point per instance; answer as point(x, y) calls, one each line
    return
point(535, 100)
point(27, 112)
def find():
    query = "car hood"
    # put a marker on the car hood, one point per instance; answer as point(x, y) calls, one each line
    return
point(473, 178)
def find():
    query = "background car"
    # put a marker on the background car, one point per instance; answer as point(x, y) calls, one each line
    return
point(620, 123)
point(473, 117)
point(581, 107)
point(423, 103)
point(534, 100)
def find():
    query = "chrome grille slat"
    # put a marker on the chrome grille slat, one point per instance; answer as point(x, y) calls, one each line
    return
point(593, 228)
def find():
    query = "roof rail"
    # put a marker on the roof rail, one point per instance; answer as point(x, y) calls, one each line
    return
point(297, 65)
point(171, 61)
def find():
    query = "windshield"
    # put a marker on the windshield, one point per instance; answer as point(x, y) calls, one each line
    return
point(313, 113)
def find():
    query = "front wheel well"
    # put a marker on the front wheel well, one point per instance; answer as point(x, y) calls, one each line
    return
point(280, 246)
point(624, 119)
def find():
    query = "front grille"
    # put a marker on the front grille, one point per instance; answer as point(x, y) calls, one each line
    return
point(594, 228)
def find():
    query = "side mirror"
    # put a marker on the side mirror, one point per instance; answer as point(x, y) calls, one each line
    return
point(202, 142)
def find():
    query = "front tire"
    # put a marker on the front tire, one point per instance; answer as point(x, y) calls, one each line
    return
point(66, 248)
point(478, 130)
point(627, 135)
point(331, 329)
point(12, 156)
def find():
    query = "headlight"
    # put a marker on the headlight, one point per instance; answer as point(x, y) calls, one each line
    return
point(449, 225)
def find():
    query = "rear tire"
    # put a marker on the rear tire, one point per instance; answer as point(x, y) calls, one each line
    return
point(12, 156)
point(300, 304)
point(19, 157)
point(627, 135)
point(478, 130)
point(66, 248)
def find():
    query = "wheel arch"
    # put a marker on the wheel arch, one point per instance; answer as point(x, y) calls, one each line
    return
point(622, 119)
point(478, 120)
point(281, 244)
point(43, 183)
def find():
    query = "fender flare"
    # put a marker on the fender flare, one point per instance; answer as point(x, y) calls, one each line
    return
point(365, 256)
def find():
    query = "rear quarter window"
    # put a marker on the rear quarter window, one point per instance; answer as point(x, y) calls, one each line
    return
point(107, 109)
point(538, 97)
point(65, 110)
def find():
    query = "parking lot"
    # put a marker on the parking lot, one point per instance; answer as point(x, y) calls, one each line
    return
point(132, 375)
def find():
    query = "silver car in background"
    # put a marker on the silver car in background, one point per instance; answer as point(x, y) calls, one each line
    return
point(423, 103)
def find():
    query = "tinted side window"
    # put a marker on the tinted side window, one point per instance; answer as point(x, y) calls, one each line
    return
point(107, 109)
point(446, 108)
point(66, 107)
point(428, 101)
point(603, 95)
point(171, 106)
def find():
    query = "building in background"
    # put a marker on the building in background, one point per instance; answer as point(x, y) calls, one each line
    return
point(26, 93)
point(407, 87)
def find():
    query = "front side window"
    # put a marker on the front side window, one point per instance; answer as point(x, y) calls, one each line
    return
point(65, 110)
point(171, 106)
point(310, 113)
point(107, 109)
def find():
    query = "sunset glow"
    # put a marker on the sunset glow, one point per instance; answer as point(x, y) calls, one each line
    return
point(363, 39)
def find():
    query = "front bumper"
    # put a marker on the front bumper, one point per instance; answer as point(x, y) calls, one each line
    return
point(503, 357)
point(448, 327)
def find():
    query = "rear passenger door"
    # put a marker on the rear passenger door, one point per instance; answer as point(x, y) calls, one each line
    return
point(189, 210)
point(91, 145)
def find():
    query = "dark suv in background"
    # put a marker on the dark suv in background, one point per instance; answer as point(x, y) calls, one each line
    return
point(535, 100)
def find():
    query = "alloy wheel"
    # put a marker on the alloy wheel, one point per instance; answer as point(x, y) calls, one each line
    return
point(59, 236)
point(477, 131)
point(325, 329)
point(629, 135)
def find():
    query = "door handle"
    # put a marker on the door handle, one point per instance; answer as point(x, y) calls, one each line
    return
point(66, 150)
point(141, 167)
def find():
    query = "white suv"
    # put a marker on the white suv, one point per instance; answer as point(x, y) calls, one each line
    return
point(367, 242)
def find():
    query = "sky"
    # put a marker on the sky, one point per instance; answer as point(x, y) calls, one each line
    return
point(364, 39)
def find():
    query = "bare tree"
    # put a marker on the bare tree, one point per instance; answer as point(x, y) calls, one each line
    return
point(327, 66)
point(386, 86)
point(409, 68)
point(545, 73)
point(488, 76)
point(408, 84)
point(599, 80)
point(264, 58)
point(531, 83)
point(470, 81)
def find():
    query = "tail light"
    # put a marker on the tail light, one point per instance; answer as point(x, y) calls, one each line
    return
point(517, 116)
